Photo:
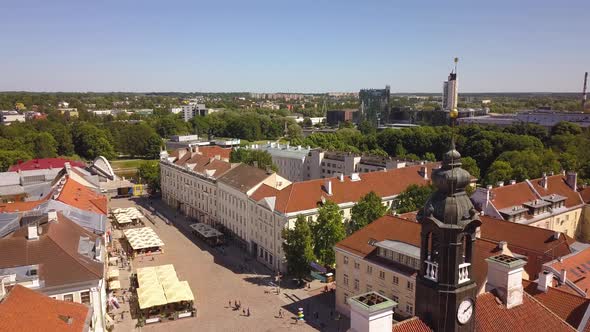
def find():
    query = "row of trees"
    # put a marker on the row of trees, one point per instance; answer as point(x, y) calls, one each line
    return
point(491, 153)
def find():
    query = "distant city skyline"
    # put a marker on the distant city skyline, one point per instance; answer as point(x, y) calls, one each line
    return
point(302, 47)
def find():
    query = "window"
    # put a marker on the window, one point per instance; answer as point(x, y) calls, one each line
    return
point(346, 279)
point(345, 298)
point(345, 260)
point(369, 269)
point(382, 274)
point(356, 265)
point(369, 288)
point(356, 284)
point(410, 309)
point(395, 280)
point(410, 285)
point(69, 297)
point(395, 298)
point(85, 297)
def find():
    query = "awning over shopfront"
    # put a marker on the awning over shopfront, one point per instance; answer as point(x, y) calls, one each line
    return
point(205, 230)
point(142, 238)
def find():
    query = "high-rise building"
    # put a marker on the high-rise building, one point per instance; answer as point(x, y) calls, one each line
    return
point(451, 90)
point(374, 105)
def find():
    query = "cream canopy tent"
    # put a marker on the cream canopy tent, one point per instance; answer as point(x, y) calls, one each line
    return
point(151, 295)
point(114, 284)
point(142, 238)
point(126, 215)
point(159, 285)
point(113, 273)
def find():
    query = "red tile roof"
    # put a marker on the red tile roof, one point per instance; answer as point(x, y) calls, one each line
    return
point(214, 150)
point(203, 163)
point(81, 197)
point(577, 267)
point(45, 163)
point(20, 206)
point(585, 193)
point(25, 310)
point(55, 251)
point(491, 315)
point(556, 185)
point(510, 195)
point(397, 229)
point(413, 324)
point(538, 244)
point(306, 195)
point(569, 307)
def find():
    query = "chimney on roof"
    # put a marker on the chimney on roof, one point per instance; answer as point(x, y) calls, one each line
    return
point(563, 172)
point(424, 172)
point(328, 187)
point(33, 233)
point(512, 182)
point(371, 312)
point(544, 180)
point(505, 278)
point(68, 167)
point(52, 216)
point(556, 235)
point(572, 180)
point(341, 177)
point(563, 276)
point(500, 184)
point(503, 246)
point(181, 153)
point(544, 282)
point(478, 232)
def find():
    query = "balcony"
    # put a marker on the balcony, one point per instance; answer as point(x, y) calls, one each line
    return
point(431, 270)
point(464, 272)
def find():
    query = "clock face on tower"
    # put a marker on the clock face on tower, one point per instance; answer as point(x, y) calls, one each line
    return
point(465, 311)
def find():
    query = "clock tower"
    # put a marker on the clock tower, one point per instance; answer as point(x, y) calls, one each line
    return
point(445, 286)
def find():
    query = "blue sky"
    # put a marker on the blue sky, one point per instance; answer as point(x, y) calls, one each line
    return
point(293, 46)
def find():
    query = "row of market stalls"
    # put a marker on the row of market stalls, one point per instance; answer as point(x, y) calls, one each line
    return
point(207, 233)
point(143, 241)
point(127, 217)
point(161, 295)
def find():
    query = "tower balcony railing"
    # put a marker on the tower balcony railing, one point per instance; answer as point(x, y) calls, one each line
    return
point(431, 270)
point(464, 272)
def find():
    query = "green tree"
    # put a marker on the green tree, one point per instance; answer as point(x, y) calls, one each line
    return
point(566, 128)
point(9, 158)
point(149, 172)
point(327, 230)
point(91, 142)
point(294, 131)
point(44, 145)
point(366, 127)
point(499, 171)
point(429, 156)
point(298, 247)
point(470, 165)
point(368, 209)
point(413, 198)
point(258, 158)
point(307, 122)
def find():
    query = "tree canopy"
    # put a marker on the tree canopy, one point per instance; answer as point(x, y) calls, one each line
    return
point(298, 247)
point(327, 230)
point(368, 209)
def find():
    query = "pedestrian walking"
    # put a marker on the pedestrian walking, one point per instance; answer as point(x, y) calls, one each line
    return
point(248, 312)
point(229, 304)
point(280, 313)
point(244, 312)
